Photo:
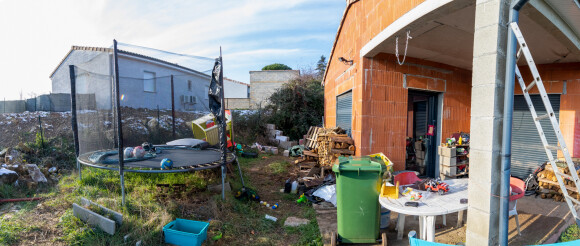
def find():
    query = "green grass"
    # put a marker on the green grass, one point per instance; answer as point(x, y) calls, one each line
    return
point(144, 215)
point(309, 234)
point(570, 234)
point(279, 167)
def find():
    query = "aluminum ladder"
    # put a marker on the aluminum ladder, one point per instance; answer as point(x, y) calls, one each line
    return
point(571, 201)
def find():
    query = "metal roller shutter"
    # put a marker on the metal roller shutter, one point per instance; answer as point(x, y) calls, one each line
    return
point(420, 119)
point(527, 150)
point(344, 111)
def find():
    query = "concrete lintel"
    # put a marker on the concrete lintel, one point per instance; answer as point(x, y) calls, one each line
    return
point(545, 9)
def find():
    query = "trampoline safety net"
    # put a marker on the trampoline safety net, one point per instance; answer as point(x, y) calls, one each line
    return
point(160, 93)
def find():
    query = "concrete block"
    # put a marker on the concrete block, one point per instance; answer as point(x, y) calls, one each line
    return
point(487, 100)
point(420, 154)
point(274, 151)
point(448, 161)
point(92, 218)
point(286, 153)
point(282, 138)
point(279, 133)
point(419, 145)
point(287, 144)
point(488, 135)
point(300, 141)
point(448, 170)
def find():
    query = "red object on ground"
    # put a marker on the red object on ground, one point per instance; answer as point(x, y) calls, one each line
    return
point(440, 187)
point(20, 199)
point(519, 187)
point(406, 178)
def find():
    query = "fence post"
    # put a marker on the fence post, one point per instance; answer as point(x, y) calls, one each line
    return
point(172, 108)
point(73, 111)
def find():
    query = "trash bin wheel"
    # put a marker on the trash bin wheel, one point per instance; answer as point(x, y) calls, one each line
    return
point(333, 239)
point(384, 239)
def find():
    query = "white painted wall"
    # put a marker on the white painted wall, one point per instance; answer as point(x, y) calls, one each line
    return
point(234, 89)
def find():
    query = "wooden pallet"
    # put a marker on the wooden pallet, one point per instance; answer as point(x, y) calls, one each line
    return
point(312, 137)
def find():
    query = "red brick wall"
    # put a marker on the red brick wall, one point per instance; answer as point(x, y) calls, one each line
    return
point(385, 101)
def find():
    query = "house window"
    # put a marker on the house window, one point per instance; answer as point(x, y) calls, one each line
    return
point(148, 81)
point(189, 85)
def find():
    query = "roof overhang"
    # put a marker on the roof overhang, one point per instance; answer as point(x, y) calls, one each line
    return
point(442, 31)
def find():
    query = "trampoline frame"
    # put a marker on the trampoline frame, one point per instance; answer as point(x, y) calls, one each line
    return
point(225, 156)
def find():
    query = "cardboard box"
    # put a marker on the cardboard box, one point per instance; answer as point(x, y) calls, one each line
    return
point(448, 161)
point(419, 146)
point(420, 154)
point(448, 152)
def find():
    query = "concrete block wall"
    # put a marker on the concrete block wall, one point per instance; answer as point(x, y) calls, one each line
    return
point(487, 105)
point(264, 83)
point(237, 103)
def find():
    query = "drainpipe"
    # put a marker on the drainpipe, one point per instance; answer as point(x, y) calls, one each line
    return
point(507, 123)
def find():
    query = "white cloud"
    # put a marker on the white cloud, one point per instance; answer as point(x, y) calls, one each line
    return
point(37, 34)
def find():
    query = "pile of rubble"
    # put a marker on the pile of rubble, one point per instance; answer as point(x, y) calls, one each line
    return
point(277, 137)
point(15, 171)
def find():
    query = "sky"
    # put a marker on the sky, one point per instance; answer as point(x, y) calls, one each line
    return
point(36, 35)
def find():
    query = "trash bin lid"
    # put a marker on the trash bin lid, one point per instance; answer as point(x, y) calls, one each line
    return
point(358, 164)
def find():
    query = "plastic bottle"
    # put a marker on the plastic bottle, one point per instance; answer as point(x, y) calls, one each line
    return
point(287, 186)
point(272, 218)
point(294, 187)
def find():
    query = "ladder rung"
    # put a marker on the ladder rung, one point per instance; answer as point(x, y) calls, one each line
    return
point(543, 117)
point(552, 147)
point(530, 86)
point(519, 54)
point(571, 198)
point(565, 176)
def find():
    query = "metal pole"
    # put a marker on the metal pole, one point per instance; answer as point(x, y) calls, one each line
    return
point(41, 135)
point(507, 124)
point(240, 170)
point(224, 144)
point(172, 107)
point(119, 123)
point(73, 107)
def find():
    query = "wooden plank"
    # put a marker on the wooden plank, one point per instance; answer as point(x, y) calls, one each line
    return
point(342, 151)
point(568, 187)
point(310, 153)
point(342, 139)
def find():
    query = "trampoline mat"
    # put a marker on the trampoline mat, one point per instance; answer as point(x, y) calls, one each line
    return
point(181, 157)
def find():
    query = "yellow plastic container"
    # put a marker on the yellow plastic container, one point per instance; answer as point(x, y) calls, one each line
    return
point(211, 134)
point(390, 191)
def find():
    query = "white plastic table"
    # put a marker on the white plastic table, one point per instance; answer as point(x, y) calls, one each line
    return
point(430, 205)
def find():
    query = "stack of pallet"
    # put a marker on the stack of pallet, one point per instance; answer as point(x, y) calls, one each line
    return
point(549, 186)
point(324, 145)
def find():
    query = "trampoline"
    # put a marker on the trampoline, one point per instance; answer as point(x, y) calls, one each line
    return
point(104, 105)
point(185, 159)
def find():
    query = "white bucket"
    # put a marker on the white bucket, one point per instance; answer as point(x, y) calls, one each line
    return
point(385, 217)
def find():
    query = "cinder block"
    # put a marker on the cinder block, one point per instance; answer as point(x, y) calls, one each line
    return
point(278, 133)
point(448, 170)
point(270, 126)
point(287, 144)
point(447, 152)
point(282, 138)
point(448, 161)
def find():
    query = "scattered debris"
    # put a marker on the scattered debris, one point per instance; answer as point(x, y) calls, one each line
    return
point(35, 173)
point(7, 176)
point(295, 222)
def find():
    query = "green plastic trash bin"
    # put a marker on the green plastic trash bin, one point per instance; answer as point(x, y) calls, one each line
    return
point(358, 182)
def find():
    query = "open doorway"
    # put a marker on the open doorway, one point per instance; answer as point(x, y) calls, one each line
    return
point(422, 124)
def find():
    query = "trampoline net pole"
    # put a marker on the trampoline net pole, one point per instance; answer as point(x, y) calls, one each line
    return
point(240, 171)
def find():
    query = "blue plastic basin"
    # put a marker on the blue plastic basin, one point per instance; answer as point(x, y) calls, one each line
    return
point(185, 232)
